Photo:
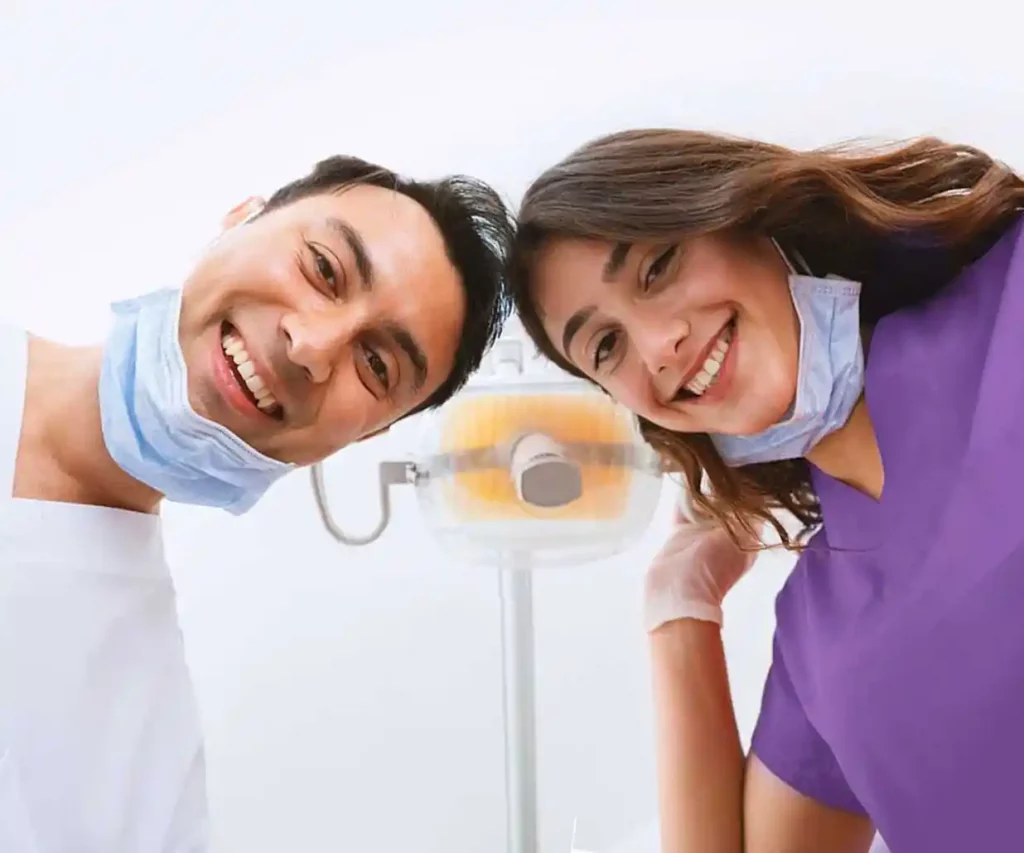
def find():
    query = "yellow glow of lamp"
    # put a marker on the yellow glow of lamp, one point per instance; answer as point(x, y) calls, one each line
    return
point(555, 471)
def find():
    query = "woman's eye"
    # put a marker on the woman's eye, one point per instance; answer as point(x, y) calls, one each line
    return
point(659, 266)
point(605, 347)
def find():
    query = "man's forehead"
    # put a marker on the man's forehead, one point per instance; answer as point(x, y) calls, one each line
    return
point(376, 208)
point(398, 232)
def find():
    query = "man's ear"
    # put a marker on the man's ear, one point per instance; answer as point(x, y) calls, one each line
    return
point(241, 212)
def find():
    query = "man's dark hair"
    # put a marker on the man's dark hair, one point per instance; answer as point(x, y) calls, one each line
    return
point(478, 230)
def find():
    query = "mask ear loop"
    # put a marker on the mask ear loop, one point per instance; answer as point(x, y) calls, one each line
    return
point(789, 263)
point(793, 271)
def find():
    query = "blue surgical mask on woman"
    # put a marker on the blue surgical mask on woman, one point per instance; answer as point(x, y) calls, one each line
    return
point(150, 428)
point(830, 374)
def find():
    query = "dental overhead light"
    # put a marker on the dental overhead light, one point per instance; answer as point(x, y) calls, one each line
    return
point(526, 467)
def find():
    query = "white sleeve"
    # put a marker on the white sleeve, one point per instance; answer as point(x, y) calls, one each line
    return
point(189, 831)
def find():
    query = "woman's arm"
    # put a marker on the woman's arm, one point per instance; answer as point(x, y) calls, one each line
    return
point(700, 760)
point(711, 799)
point(778, 819)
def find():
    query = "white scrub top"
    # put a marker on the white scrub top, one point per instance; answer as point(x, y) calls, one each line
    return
point(100, 746)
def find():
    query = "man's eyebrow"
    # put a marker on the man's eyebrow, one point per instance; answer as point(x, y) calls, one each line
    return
point(413, 351)
point(358, 248)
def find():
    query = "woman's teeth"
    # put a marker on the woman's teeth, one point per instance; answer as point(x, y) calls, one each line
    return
point(234, 350)
point(707, 376)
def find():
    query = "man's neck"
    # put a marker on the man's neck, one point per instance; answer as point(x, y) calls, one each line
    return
point(62, 432)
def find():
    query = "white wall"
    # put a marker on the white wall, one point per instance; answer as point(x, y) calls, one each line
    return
point(352, 698)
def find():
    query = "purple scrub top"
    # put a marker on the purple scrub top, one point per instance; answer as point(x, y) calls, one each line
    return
point(897, 683)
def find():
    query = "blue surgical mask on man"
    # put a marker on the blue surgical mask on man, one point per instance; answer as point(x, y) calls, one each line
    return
point(149, 426)
point(830, 374)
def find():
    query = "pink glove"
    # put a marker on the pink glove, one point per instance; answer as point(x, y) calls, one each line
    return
point(693, 572)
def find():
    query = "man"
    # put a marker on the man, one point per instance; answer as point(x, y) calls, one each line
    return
point(352, 298)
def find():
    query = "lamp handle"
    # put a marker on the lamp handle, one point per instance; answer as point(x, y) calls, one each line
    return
point(390, 474)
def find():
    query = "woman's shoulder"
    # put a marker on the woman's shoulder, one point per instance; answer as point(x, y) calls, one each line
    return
point(953, 328)
point(999, 271)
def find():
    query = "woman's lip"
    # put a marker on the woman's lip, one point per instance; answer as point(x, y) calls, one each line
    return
point(698, 363)
point(720, 389)
point(721, 386)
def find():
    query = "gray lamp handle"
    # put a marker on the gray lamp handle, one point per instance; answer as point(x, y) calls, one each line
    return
point(390, 474)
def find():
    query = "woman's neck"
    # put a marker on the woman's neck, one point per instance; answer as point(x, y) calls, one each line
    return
point(851, 454)
point(62, 434)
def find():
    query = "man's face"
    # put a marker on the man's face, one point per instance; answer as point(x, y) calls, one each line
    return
point(321, 322)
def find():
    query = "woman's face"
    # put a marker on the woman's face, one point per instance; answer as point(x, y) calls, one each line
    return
point(700, 336)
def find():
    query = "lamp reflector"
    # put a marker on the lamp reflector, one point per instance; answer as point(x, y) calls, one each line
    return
point(559, 471)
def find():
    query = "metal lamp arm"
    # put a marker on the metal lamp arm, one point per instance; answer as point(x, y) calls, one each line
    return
point(390, 474)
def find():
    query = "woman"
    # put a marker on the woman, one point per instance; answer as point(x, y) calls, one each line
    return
point(833, 334)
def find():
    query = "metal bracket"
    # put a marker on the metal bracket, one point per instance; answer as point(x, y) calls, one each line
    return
point(390, 474)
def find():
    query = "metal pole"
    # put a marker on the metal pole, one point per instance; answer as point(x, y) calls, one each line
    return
point(516, 591)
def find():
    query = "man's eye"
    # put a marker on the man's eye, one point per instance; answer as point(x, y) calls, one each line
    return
point(324, 268)
point(377, 365)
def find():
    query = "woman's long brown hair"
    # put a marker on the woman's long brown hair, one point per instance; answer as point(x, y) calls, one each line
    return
point(903, 220)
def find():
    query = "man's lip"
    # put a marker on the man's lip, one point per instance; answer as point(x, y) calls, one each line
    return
point(698, 362)
point(231, 391)
point(265, 374)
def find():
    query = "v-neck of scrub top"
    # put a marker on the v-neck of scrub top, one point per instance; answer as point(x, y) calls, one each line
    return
point(903, 377)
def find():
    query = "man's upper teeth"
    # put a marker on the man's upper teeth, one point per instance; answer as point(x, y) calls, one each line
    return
point(235, 350)
point(708, 373)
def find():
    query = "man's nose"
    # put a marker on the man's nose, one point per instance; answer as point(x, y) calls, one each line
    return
point(317, 339)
